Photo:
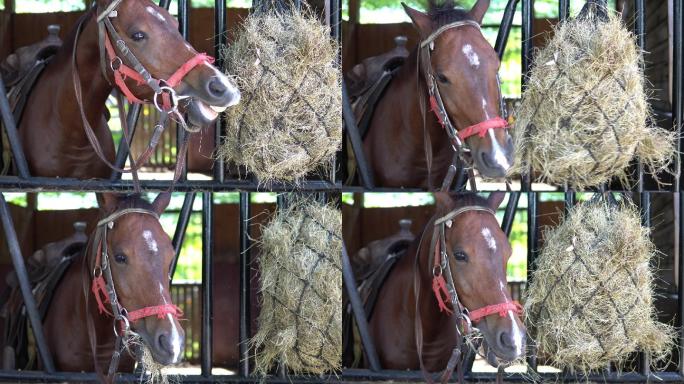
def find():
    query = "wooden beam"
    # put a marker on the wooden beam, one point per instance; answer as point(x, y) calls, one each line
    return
point(354, 11)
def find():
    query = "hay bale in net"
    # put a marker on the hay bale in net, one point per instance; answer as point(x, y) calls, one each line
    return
point(590, 301)
point(300, 324)
point(585, 114)
point(289, 122)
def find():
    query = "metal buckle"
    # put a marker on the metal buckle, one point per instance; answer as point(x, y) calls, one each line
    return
point(97, 272)
point(172, 94)
point(124, 320)
point(437, 270)
point(117, 60)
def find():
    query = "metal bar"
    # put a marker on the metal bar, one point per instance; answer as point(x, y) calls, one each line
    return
point(526, 60)
point(245, 291)
point(181, 228)
point(680, 281)
point(39, 184)
point(335, 19)
point(207, 258)
point(165, 4)
point(12, 134)
point(532, 243)
point(25, 285)
point(219, 42)
point(569, 199)
point(122, 151)
point(505, 28)
point(183, 23)
point(639, 32)
point(645, 207)
point(563, 10)
point(509, 214)
point(352, 130)
point(359, 312)
point(678, 86)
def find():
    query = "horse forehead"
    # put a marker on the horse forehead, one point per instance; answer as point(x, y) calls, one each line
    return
point(463, 43)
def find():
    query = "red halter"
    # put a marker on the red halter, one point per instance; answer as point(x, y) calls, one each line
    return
point(481, 129)
point(122, 71)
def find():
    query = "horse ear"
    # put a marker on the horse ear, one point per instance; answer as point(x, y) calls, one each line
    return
point(420, 20)
point(107, 201)
point(479, 9)
point(161, 202)
point(494, 199)
point(443, 201)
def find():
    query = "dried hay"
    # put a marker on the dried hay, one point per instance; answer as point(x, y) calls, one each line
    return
point(585, 114)
point(289, 122)
point(590, 301)
point(300, 323)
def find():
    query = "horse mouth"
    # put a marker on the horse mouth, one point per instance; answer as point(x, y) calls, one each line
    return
point(200, 113)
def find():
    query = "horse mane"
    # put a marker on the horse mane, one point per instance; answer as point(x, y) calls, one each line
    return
point(443, 12)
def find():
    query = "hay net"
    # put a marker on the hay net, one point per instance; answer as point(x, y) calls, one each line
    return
point(590, 299)
point(289, 122)
point(585, 113)
point(300, 323)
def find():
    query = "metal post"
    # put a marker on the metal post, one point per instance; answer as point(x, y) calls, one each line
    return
point(505, 28)
point(183, 14)
point(680, 271)
point(645, 206)
point(526, 59)
point(25, 284)
point(678, 87)
point(364, 170)
point(164, 3)
point(563, 10)
point(181, 228)
point(531, 258)
point(509, 214)
point(207, 256)
point(359, 312)
point(12, 134)
point(219, 43)
point(122, 151)
point(245, 299)
point(639, 32)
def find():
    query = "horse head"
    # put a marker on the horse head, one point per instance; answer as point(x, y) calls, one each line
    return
point(151, 36)
point(463, 74)
point(139, 256)
point(478, 251)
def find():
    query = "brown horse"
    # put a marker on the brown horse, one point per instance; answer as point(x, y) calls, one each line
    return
point(406, 144)
point(139, 254)
point(51, 130)
point(476, 252)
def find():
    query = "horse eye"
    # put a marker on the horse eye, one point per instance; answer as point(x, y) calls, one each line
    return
point(442, 79)
point(138, 36)
point(120, 258)
point(460, 256)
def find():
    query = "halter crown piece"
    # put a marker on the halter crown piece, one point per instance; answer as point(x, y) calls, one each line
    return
point(436, 102)
point(446, 291)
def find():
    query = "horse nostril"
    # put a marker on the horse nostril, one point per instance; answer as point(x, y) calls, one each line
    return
point(164, 344)
point(216, 87)
point(506, 340)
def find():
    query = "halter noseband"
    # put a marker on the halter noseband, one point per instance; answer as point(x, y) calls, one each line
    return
point(437, 104)
point(103, 284)
point(165, 98)
point(446, 291)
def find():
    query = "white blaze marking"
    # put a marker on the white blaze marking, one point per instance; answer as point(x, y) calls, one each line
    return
point(151, 242)
point(175, 335)
point(472, 57)
point(499, 155)
point(156, 14)
point(517, 334)
point(491, 242)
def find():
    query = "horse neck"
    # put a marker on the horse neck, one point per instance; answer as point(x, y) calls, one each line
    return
point(95, 88)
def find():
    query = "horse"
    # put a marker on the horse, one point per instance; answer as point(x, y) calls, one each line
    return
point(455, 68)
point(121, 280)
point(452, 276)
point(122, 44)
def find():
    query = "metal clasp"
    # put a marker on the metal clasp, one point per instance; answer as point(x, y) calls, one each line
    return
point(174, 99)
